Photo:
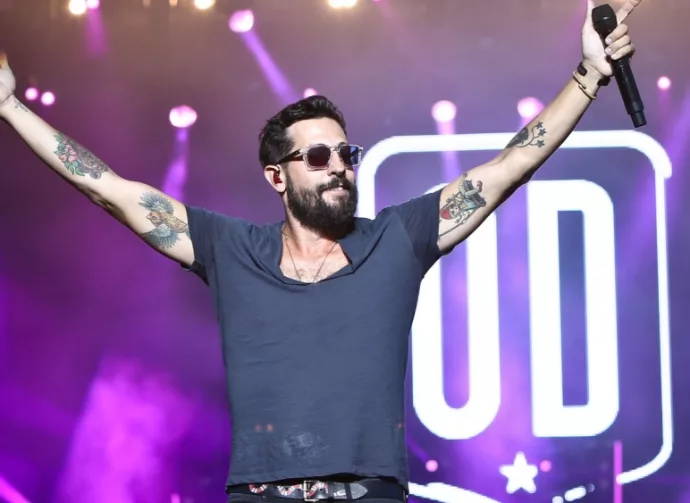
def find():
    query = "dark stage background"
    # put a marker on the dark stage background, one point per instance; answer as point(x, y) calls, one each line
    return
point(111, 377)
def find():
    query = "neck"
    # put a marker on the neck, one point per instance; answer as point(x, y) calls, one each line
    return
point(309, 241)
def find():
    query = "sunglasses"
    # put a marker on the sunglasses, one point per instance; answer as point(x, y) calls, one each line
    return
point(319, 156)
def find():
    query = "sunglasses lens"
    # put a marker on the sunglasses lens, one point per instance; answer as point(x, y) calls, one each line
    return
point(351, 155)
point(318, 157)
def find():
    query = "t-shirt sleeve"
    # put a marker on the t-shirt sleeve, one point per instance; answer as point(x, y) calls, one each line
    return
point(205, 229)
point(420, 217)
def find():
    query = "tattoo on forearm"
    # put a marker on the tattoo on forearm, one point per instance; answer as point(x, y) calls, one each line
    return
point(460, 206)
point(167, 226)
point(77, 159)
point(18, 104)
point(529, 137)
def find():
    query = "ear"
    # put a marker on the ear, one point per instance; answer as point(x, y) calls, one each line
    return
point(275, 177)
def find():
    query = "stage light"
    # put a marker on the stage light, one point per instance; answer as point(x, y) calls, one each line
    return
point(443, 111)
point(48, 98)
point(93, 4)
point(342, 4)
point(529, 107)
point(431, 465)
point(664, 83)
point(241, 21)
point(182, 116)
point(545, 466)
point(309, 91)
point(77, 7)
point(31, 94)
point(204, 4)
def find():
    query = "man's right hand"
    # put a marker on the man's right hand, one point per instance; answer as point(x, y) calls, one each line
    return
point(8, 83)
point(155, 217)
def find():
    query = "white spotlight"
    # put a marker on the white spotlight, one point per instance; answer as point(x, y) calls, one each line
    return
point(204, 4)
point(77, 7)
point(443, 111)
point(342, 4)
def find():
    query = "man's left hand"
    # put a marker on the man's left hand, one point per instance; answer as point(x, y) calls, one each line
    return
point(595, 54)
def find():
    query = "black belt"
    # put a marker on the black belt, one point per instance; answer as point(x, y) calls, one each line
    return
point(316, 490)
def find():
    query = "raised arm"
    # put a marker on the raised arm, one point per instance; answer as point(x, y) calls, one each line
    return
point(157, 218)
point(466, 202)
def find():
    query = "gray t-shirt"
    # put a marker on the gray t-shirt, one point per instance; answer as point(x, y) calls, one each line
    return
point(316, 372)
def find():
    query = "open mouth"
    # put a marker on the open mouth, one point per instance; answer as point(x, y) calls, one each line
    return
point(337, 190)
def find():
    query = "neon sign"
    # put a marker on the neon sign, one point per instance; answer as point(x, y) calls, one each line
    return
point(545, 199)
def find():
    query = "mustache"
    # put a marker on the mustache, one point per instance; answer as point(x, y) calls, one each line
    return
point(335, 183)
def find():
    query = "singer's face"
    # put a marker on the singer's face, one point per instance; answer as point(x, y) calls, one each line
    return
point(321, 190)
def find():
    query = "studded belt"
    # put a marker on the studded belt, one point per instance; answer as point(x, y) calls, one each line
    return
point(317, 490)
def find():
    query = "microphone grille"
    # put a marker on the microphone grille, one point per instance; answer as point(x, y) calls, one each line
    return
point(604, 19)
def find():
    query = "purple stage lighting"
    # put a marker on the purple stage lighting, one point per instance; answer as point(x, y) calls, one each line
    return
point(431, 465)
point(664, 83)
point(93, 4)
point(443, 111)
point(48, 98)
point(529, 108)
point(31, 94)
point(241, 21)
point(182, 116)
point(309, 91)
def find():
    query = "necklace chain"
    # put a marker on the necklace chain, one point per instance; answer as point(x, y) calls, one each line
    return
point(299, 276)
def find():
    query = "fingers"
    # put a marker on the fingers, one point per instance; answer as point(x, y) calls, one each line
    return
point(590, 8)
point(3, 59)
point(618, 43)
point(626, 9)
point(620, 31)
point(627, 50)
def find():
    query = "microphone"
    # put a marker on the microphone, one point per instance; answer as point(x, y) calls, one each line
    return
point(604, 20)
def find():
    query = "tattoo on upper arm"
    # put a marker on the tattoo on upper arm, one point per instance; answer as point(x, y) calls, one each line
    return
point(460, 206)
point(529, 137)
point(167, 226)
point(18, 104)
point(77, 159)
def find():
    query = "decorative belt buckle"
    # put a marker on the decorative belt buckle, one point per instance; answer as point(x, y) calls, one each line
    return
point(307, 487)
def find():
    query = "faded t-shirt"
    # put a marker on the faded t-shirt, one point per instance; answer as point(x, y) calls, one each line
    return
point(316, 372)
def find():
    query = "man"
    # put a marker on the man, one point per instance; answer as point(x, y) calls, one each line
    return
point(315, 311)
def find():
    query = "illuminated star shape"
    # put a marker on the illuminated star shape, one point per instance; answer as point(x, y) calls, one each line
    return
point(520, 475)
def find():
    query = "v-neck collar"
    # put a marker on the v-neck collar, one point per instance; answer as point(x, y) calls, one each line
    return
point(352, 244)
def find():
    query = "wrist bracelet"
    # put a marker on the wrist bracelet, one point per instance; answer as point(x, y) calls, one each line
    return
point(583, 87)
point(603, 82)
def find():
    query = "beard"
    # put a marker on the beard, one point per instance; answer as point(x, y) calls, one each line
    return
point(310, 208)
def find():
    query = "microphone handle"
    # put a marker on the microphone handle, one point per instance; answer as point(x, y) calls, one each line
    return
point(629, 91)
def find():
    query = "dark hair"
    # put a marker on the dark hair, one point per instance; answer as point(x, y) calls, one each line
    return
point(274, 142)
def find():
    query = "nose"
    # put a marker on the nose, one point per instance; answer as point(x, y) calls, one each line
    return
point(336, 166)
